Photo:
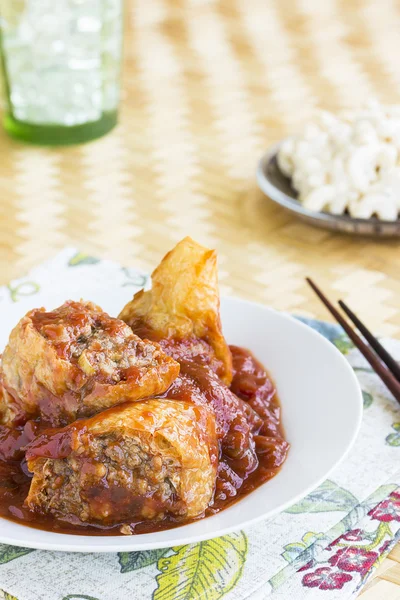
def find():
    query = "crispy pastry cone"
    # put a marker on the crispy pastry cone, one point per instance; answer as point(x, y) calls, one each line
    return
point(182, 308)
point(75, 361)
point(141, 460)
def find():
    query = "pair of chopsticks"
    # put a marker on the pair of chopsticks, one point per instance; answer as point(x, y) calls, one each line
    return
point(380, 360)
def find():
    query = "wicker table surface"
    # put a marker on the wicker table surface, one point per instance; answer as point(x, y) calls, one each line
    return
point(207, 86)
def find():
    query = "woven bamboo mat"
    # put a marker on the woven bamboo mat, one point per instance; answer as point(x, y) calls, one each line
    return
point(208, 85)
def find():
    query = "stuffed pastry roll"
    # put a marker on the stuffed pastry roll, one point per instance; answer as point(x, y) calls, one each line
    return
point(181, 311)
point(75, 361)
point(141, 460)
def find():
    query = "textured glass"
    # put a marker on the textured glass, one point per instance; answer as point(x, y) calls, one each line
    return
point(61, 67)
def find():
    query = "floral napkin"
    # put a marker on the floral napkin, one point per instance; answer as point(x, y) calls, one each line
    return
point(325, 547)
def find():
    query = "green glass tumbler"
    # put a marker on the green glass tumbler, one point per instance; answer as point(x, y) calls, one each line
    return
point(60, 63)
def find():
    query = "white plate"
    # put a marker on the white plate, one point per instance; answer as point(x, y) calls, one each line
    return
point(322, 408)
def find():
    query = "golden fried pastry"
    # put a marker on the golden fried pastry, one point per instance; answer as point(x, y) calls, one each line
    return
point(181, 311)
point(75, 361)
point(9, 406)
point(141, 460)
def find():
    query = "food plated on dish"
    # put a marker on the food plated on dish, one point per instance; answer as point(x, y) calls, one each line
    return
point(81, 468)
point(342, 171)
point(133, 424)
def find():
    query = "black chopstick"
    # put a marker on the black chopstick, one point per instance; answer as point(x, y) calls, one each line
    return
point(389, 361)
point(381, 370)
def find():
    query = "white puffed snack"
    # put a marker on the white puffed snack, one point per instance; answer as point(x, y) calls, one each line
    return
point(347, 162)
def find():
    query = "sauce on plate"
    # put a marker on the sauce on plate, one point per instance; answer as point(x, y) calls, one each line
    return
point(237, 474)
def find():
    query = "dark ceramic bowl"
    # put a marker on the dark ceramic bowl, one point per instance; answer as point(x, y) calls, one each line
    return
point(278, 188)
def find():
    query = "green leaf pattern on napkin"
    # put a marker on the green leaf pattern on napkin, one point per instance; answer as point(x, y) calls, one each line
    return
point(344, 344)
point(5, 596)
point(209, 569)
point(327, 497)
point(25, 288)
point(292, 551)
point(80, 258)
point(393, 439)
point(8, 553)
point(131, 561)
point(367, 399)
point(134, 278)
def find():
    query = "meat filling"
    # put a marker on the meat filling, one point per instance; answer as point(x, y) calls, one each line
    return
point(76, 361)
point(86, 336)
point(140, 461)
point(121, 480)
